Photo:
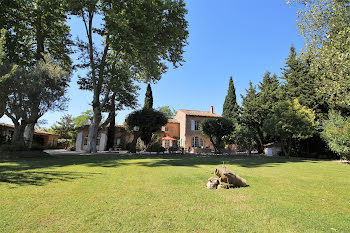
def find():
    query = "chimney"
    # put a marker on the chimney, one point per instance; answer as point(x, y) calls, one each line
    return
point(211, 109)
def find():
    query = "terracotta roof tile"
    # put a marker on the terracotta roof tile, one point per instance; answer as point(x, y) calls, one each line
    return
point(199, 113)
point(173, 121)
point(36, 131)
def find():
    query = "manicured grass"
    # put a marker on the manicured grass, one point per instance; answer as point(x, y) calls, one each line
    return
point(114, 193)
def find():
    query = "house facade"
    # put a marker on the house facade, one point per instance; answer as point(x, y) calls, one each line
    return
point(184, 127)
point(188, 128)
point(121, 138)
point(42, 138)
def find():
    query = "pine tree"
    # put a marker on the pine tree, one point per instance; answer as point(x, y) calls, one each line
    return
point(252, 114)
point(268, 96)
point(301, 84)
point(149, 98)
point(230, 108)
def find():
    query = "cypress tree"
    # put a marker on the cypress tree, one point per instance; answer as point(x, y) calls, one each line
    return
point(148, 98)
point(230, 108)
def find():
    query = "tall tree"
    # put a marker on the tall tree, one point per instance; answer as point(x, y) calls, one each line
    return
point(143, 35)
point(231, 108)
point(32, 93)
point(325, 25)
point(269, 94)
point(148, 97)
point(36, 29)
point(290, 123)
point(301, 84)
point(251, 114)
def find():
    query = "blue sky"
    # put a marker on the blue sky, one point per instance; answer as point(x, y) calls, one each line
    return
point(242, 39)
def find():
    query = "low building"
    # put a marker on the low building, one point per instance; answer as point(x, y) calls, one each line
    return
point(272, 149)
point(184, 127)
point(121, 138)
point(41, 138)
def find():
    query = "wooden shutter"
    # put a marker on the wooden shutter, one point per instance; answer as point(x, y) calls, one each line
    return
point(192, 125)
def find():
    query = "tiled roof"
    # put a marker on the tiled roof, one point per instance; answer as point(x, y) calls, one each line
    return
point(38, 132)
point(199, 113)
point(173, 121)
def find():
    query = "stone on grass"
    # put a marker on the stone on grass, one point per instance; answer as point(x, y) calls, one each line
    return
point(213, 183)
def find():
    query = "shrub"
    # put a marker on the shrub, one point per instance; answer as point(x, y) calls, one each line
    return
point(336, 132)
point(155, 147)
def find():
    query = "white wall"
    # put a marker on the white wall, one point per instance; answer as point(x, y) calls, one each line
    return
point(79, 142)
point(103, 142)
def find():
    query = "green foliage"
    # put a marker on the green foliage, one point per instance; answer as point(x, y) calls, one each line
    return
point(155, 147)
point(268, 96)
point(148, 98)
point(216, 129)
point(325, 25)
point(83, 119)
point(147, 121)
point(289, 123)
point(336, 132)
point(140, 38)
point(65, 128)
point(167, 111)
point(35, 28)
point(230, 107)
point(245, 138)
point(302, 84)
point(33, 92)
point(256, 106)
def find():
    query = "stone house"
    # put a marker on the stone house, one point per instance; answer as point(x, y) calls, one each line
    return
point(121, 138)
point(184, 127)
point(42, 138)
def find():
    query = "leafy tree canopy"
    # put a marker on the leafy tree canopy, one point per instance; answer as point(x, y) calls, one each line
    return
point(145, 122)
point(336, 132)
point(289, 123)
point(216, 129)
point(167, 111)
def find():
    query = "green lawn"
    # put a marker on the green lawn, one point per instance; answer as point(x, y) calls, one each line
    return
point(114, 193)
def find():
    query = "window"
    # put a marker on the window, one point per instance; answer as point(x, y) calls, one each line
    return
point(85, 141)
point(194, 125)
point(98, 141)
point(165, 128)
point(197, 142)
point(166, 143)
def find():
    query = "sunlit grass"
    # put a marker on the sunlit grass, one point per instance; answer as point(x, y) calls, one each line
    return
point(112, 193)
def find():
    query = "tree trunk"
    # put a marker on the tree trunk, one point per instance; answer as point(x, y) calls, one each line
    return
point(216, 149)
point(93, 131)
point(134, 141)
point(111, 128)
point(28, 134)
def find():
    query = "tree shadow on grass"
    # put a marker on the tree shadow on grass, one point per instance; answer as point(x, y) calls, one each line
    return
point(40, 178)
point(23, 172)
point(247, 162)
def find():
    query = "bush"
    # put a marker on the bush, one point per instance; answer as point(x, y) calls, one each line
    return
point(336, 132)
point(12, 147)
point(37, 147)
point(156, 147)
